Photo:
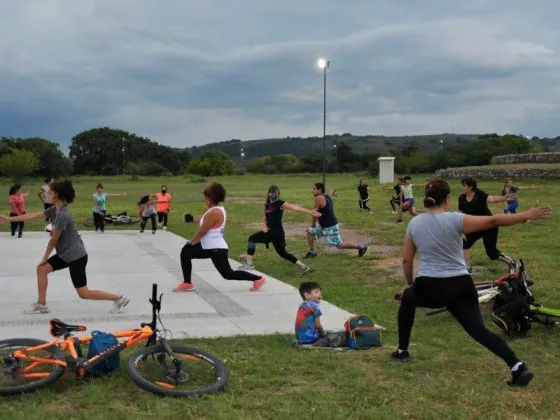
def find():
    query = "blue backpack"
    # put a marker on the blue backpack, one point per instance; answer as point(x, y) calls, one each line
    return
point(99, 343)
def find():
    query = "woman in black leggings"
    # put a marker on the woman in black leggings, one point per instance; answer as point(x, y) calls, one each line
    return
point(474, 202)
point(209, 243)
point(273, 231)
point(442, 278)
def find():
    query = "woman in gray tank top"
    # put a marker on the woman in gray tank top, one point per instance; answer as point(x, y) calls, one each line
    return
point(443, 279)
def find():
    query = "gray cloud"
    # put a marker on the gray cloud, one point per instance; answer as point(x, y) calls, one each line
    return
point(187, 73)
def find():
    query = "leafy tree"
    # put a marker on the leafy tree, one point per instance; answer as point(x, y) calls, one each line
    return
point(18, 163)
point(51, 160)
point(212, 164)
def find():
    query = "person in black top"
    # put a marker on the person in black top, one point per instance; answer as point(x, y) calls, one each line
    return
point(364, 196)
point(326, 225)
point(474, 202)
point(273, 231)
point(395, 200)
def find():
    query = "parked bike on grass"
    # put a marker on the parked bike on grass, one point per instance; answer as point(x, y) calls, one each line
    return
point(30, 365)
point(120, 219)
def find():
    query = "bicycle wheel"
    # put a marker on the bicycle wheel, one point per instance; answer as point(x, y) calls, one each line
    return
point(201, 373)
point(88, 221)
point(28, 375)
point(133, 220)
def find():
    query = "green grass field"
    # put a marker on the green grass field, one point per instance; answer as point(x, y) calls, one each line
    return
point(451, 376)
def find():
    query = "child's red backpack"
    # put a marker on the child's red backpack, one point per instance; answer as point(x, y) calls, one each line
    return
point(362, 332)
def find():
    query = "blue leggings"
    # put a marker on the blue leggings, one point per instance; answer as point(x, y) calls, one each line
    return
point(512, 207)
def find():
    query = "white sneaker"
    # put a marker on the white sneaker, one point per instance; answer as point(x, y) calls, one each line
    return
point(37, 308)
point(165, 228)
point(120, 304)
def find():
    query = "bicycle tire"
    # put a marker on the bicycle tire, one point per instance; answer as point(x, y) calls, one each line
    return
point(133, 220)
point(222, 373)
point(57, 372)
point(89, 222)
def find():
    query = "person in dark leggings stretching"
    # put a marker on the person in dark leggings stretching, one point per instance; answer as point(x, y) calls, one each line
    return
point(442, 279)
point(474, 202)
point(209, 242)
point(273, 230)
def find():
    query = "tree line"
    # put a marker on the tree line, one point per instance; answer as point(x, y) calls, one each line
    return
point(106, 151)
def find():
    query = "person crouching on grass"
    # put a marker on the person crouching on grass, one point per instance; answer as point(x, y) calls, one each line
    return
point(147, 210)
point(70, 250)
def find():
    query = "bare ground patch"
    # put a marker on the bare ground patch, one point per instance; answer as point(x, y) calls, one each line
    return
point(297, 230)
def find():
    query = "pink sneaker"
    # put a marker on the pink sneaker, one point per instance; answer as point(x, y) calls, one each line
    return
point(184, 287)
point(257, 284)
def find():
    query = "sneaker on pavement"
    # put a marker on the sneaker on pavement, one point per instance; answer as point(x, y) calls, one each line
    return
point(120, 304)
point(184, 287)
point(521, 377)
point(37, 308)
point(257, 284)
point(303, 270)
point(246, 266)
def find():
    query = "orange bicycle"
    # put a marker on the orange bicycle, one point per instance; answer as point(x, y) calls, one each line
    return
point(30, 365)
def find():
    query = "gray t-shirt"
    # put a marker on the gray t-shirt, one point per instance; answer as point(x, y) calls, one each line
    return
point(148, 211)
point(69, 246)
point(438, 238)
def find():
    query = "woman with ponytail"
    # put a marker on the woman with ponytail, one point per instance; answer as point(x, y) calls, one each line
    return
point(442, 278)
point(70, 250)
point(273, 230)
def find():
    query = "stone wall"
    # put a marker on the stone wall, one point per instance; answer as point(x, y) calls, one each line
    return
point(553, 157)
point(500, 173)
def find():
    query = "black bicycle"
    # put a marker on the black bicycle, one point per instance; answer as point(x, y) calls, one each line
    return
point(28, 365)
point(118, 220)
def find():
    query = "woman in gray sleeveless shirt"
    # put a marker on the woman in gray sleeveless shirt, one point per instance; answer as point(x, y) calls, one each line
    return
point(443, 278)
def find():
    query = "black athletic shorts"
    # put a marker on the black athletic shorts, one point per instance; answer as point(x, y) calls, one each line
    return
point(77, 269)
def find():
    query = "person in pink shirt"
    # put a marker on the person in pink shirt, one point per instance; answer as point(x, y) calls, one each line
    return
point(17, 208)
point(163, 206)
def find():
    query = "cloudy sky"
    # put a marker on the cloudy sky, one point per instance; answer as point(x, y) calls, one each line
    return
point(189, 72)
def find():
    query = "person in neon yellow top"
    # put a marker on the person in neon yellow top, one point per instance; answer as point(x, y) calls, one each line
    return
point(407, 198)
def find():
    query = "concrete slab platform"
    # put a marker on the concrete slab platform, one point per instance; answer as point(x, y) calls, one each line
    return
point(129, 262)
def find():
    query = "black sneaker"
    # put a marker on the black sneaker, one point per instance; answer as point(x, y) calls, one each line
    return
point(401, 356)
point(469, 269)
point(362, 251)
point(399, 221)
point(310, 255)
point(20, 233)
point(521, 377)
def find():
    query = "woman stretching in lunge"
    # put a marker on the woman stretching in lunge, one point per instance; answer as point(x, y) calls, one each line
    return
point(442, 279)
point(147, 210)
point(209, 242)
point(99, 199)
point(70, 250)
point(474, 202)
point(395, 200)
point(511, 205)
point(273, 231)
point(17, 208)
point(407, 198)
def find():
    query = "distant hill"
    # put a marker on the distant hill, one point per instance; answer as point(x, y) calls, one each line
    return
point(299, 146)
point(314, 145)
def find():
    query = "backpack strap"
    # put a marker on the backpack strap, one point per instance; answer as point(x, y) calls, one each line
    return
point(78, 347)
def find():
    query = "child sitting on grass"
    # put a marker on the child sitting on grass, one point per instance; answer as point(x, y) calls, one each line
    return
point(309, 329)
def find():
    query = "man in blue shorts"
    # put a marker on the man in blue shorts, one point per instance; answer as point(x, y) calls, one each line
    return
point(326, 226)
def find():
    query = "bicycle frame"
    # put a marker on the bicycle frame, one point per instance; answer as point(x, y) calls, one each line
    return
point(68, 344)
point(147, 332)
point(540, 310)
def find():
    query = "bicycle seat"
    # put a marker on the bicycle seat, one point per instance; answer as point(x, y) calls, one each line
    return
point(59, 328)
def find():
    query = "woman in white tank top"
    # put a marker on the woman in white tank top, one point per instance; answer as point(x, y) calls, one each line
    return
point(209, 242)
